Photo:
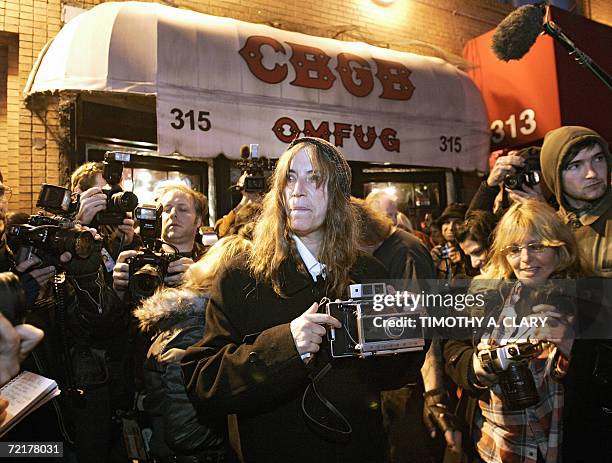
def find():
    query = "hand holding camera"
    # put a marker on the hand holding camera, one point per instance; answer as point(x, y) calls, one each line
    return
point(121, 273)
point(91, 202)
point(308, 329)
point(176, 271)
point(504, 165)
point(510, 364)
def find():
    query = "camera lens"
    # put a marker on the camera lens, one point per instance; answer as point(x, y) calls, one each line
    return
point(512, 181)
point(124, 201)
point(145, 281)
point(518, 387)
point(12, 297)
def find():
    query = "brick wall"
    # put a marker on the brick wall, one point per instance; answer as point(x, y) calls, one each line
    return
point(29, 139)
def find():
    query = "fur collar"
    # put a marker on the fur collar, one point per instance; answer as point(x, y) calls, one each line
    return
point(169, 307)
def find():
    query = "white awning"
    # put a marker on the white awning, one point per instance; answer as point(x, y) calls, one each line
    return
point(221, 83)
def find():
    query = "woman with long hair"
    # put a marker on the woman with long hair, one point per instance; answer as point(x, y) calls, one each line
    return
point(511, 371)
point(265, 355)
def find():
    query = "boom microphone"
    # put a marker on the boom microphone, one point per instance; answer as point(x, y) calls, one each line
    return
point(516, 34)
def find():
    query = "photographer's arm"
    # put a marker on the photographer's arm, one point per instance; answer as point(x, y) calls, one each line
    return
point(463, 366)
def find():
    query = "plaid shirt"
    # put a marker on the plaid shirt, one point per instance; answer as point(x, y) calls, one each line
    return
point(506, 436)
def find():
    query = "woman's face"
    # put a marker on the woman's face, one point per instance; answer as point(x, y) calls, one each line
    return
point(306, 202)
point(531, 261)
point(476, 251)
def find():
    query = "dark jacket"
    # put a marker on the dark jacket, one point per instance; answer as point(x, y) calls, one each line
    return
point(248, 364)
point(589, 383)
point(406, 259)
point(176, 319)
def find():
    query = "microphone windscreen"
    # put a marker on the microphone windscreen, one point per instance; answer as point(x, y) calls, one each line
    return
point(516, 34)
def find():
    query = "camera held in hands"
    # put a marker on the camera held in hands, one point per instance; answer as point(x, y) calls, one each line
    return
point(529, 174)
point(254, 166)
point(48, 238)
point(148, 268)
point(118, 202)
point(510, 364)
point(367, 329)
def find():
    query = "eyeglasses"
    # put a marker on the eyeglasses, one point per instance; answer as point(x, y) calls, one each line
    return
point(5, 194)
point(514, 250)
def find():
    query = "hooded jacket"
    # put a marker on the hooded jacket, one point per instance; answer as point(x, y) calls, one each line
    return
point(592, 225)
point(176, 319)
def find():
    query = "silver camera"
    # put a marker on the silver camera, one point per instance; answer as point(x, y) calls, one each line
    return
point(373, 328)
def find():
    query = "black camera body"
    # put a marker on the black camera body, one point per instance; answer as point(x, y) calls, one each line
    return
point(48, 238)
point(529, 174)
point(254, 167)
point(510, 364)
point(147, 271)
point(368, 329)
point(118, 202)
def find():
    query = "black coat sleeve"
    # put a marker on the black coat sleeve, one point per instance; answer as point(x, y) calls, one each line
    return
point(230, 372)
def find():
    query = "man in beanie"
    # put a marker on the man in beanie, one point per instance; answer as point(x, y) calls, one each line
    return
point(576, 165)
point(448, 257)
point(265, 355)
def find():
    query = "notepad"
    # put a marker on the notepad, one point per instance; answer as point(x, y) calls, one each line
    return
point(25, 393)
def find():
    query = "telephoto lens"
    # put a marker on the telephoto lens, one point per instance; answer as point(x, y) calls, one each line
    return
point(518, 387)
point(12, 297)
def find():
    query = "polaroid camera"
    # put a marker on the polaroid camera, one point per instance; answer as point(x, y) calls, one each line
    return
point(367, 330)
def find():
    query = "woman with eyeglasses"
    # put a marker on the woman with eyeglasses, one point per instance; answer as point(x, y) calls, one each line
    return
point(511, 371)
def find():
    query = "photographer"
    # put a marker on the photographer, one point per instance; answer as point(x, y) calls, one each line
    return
point(183, 211)
point(448, 257)
point(505, 171)
point(513, 403)
point(265, 338)
point(88, 181)
point(227, 224)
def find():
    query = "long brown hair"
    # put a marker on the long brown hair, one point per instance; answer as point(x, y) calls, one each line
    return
point(272, 240)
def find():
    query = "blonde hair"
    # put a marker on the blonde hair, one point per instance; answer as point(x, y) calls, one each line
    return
point(199, 276)
point(539, 220)
point(272, 240)
point(84, 177)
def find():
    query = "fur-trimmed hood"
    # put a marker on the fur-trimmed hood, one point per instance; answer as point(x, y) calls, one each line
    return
point(169, 307)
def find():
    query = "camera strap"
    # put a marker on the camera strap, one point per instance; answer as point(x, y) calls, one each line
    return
point(341, 434)
point(59, 281)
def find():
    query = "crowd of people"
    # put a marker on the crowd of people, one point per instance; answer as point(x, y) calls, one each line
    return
point(229, 352)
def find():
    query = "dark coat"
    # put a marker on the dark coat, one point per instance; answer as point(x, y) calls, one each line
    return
point(406, 259)
point(176, 318)
point(248, 364)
